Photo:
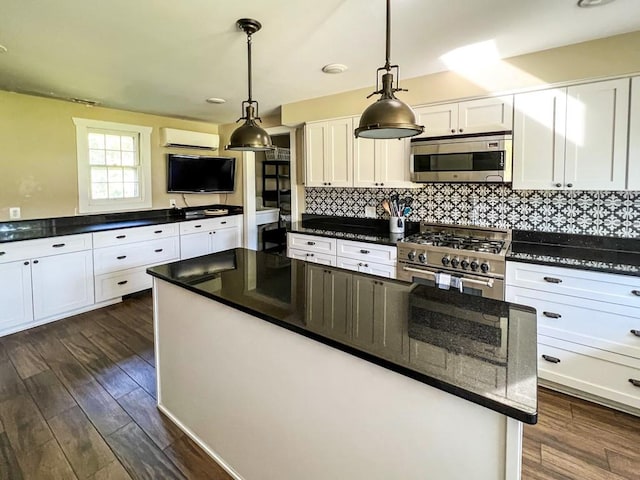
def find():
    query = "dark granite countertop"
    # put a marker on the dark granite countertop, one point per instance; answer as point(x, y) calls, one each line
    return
point(368, 230)
point(584, 252)
point(479, 349)
point(52, 227)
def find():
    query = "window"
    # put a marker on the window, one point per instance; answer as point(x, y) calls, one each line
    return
point(114, 166)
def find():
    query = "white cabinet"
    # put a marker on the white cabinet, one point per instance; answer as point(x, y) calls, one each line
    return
point(588, 330)
point(44, 279)
point(381, 163)
point(329, 153)
point(209, 235)
point(311, 248)
point(572, 138)
point(473, 116)
point(633, 178)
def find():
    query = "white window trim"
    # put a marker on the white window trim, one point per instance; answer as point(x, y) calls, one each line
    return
point(85, 205)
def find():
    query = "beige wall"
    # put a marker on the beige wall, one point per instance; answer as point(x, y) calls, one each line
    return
point(610, 56)
point(38, 154)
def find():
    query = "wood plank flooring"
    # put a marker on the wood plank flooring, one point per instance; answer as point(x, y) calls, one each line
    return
point(77, 401)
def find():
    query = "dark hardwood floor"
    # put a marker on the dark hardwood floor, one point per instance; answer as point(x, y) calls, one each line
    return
point(77, 401)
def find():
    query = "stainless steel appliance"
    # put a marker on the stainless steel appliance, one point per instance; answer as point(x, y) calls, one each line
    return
point(463, 158)
point(470, 259)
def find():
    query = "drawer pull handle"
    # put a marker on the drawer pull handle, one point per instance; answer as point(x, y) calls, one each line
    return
point(552, 315)
point(552, 280)
point(158, 231)
point(551, 359)
point(223, 223)
point(311, 243)
point(123, 282)
point(634, 382)
point(158, 250)
point(309, 254)
point(119, 237)
point(197, 226)
point(2, 253)
point(121, 257)
point(58, 245)
point(365, 251)
point(636, 292)
point(635, 332)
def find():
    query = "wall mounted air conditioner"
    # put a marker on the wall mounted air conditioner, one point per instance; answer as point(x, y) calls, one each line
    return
point(172, 137)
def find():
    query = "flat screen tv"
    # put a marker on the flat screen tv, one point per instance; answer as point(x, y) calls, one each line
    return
point(199, 174)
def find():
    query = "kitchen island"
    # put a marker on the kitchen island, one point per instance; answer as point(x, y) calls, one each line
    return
point(282, 369)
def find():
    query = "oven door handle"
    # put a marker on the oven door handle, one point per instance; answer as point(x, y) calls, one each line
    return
point(486, 283)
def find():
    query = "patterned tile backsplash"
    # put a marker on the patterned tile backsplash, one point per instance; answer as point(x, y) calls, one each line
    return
point(613, 214)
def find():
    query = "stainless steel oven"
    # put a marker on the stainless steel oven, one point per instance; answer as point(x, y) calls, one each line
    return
point(463, 158)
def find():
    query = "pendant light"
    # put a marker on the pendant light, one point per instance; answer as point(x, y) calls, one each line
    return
point(388, 117)
point(249, 136)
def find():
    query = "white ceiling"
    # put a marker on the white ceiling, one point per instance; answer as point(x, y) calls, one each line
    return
point(167, 56)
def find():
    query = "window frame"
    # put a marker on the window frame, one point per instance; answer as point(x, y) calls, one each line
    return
point(85, 203)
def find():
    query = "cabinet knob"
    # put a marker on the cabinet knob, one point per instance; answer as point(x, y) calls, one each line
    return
point(382, 184)
point(634, 382)
point(551, 359)
point(366, 265)
point(552, 280)
point(635, 332)
point(36, 261)
point(453, 130)
point(635, 292)
point(461, 130)
point(551, 315)
point(27, 263)
point(309, 254)
point(58, 245)
point(359, 264)
point(329, 183)
point(569, 185)
point(558, 185)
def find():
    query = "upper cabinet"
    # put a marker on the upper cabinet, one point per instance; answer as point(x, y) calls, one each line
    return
point(473, 116)
point(572, 138)
point(633, 179)
point(329, 153)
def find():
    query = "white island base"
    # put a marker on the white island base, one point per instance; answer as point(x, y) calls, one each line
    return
point(270, 404)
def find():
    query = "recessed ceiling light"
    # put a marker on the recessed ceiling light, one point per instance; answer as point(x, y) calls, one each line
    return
point(216, 100)
point(334, 68)
point(3, 49)
point(84, 101)
point(592, 3)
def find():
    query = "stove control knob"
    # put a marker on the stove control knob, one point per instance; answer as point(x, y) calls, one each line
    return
point(455, 262)
point(484, 267)
point(422, 257)
point(446, 261)
point(465, 264)
point(475, 265)
point(412, 255)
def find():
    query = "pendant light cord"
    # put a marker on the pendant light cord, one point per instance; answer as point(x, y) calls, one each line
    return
point(387, 64)
point(249, 64)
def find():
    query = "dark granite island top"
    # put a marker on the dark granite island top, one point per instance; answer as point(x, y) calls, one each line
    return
point(481, 350)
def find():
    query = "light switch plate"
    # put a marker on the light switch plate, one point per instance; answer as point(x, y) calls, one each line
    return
point(14, 213)
point(370, 212)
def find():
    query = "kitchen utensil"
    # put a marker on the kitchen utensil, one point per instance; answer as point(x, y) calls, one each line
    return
point(407, 211)
point(385, 205)
point(408, 201)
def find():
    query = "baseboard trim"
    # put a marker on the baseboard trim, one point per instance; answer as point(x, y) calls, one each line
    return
point(589, 397)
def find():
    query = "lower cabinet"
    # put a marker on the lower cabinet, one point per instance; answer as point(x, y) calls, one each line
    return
point(15, 294)
point(359, 310)
point(201, 237)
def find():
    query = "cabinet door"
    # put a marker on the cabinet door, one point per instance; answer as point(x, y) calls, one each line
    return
point(633, 177)
point(392, 163)
point(538, 139)
point(225, 239)
point(314, 277)
point(15, 294)
point(195, 244)
point(364, 331)
point(62, 283)
point(390, 308)
point(337, 304)
point(438, 120)
point(597, 120)
point(364, 162)
point(339, 155)
point(315, 150)
point(485, 115)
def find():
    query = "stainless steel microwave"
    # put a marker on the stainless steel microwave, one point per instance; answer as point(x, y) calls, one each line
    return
point(463, 158)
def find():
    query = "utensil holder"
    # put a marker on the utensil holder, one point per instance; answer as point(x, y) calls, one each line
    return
point(396, 225)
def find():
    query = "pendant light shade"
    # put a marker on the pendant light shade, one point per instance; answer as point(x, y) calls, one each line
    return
point(388, 117)
point(249, 136)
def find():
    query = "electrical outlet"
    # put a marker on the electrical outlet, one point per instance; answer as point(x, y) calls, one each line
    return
point(370, 212)
point(14, 213)
point(172, 203)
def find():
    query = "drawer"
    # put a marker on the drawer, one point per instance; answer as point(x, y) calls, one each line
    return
point(114, 285)
point(367, 251)
point(590, 370)
point(208, 224)
point(138, 234)
point(605, 287)
point(122, 257)
point(43, 247)
point(267, 216)
point(373, 268)
point(321, 258)
point(311, 243)
point(615, 328)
